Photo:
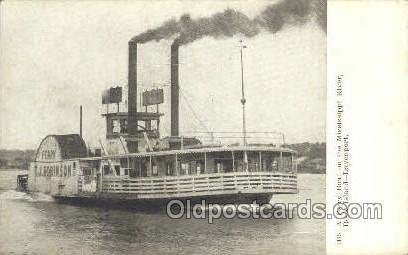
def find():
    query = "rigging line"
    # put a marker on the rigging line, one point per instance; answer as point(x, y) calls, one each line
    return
point(153, 85)
point(191, 109)
point(237, 132)
point(237, 136)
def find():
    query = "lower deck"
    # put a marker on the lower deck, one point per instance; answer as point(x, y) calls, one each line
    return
point(170, 174)
point(192, 186)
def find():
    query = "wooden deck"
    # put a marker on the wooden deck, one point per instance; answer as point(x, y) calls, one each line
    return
point(201, 185)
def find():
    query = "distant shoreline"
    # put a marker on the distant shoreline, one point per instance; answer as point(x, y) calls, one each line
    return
point(11, 169)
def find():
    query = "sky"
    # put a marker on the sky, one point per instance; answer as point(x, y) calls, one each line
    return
point(58, 55)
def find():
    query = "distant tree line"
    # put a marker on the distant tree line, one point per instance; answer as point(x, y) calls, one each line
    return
point(16, 159)
point(311, 157)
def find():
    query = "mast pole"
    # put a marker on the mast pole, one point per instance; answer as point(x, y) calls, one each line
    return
point(80, 121)
point(243, 101)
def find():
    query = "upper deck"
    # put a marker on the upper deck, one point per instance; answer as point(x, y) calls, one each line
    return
point(204, 149)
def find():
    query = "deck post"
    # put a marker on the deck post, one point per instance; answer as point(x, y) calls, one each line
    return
point(280, 169)
point(101, 182)
point(245, 161)
point(140, 167)
point(233, 161)
point(150, 165)
point(291, 162)
point(260, 161)
point(177, 170)
point(205, 162)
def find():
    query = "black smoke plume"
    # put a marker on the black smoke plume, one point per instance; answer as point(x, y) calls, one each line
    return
point(231, 22)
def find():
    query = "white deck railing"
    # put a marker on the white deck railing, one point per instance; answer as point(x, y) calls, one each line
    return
point(205, 184)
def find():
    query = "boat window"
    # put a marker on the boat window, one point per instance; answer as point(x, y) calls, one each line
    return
point(154, 170)
point(223, 161)
point(115, 126)
point(270, 161)
point(274, 165)
point(228, 166)
point(253, 161)
point(184, 169)
point(154, 125)
point(117, 170)
point(169, 169)
point(198, 167)
point(219, 167)
point(223, 165)
point(123, 162)
point(123, 126)
point(106, 169)
point(144, 169)
point(286, 162)
point(133, 173)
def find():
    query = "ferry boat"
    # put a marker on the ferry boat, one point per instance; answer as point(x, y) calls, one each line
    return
point(137, 166)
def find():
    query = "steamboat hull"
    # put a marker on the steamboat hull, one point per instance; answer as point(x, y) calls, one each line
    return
point(150, 193)
point(160, 204)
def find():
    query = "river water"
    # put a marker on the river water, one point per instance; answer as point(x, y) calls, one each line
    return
point(38, 225)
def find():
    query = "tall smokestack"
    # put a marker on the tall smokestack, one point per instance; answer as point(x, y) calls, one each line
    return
point(132, 96)
point(174, 88)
